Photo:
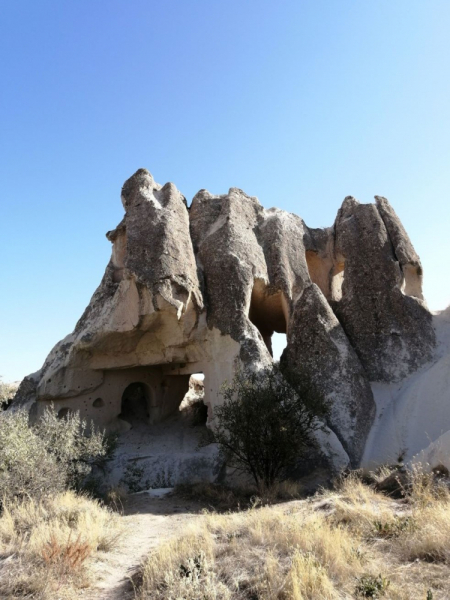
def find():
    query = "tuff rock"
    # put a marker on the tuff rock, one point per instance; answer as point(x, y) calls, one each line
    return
point(202, 289)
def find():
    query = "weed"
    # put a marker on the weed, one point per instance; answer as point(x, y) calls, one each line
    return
point(133, 478)
point(48, 544)
point(369, 586)
point(393, 528)
point(163, 479)
point(68, 556)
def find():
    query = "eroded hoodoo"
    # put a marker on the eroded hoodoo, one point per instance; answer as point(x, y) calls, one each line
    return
point(202, 290)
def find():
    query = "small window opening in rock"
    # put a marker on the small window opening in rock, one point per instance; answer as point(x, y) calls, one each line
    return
point(192, 406)
point(98, 403)
point(337, 279)
point(267, 312)
point(279, 343)
point(63, 413)
point(319, 269)
point(135, 407)
point(412, 281)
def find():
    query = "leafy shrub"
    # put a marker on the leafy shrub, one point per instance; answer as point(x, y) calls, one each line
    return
point(74, 447)
point(163, 479)
point(372, 587)
point(52, 455)
point(26, 468)
point(267, 420)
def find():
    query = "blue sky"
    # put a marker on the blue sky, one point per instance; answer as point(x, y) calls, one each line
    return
point(300, 103)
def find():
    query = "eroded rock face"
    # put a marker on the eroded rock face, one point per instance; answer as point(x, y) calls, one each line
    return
point(322, 351)
point(390, 330)
point(230, 260)
point(202, 290)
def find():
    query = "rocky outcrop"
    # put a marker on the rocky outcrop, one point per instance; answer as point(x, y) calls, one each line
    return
point(391, 331)
point(230, 260)
point(148, 302)
point(161, 257)
point(319, 348)
point(404, 252)
point(203, 289)
point(414, 413)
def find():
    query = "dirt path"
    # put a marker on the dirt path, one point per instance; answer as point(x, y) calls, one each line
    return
point(147, 522)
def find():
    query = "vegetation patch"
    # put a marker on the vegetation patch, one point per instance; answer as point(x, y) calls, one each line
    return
point(352, 542)
point(267, 421)
point(49, 530)
point(47, 545)
point(53, 455)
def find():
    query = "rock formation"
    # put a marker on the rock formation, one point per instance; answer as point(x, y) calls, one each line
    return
point(202, 289)
point(380, 307)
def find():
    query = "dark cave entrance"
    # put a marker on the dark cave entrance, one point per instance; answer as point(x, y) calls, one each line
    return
point(165, 397)
point(135, 404)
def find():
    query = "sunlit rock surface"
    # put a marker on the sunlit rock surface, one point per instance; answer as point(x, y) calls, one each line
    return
point(202, 289)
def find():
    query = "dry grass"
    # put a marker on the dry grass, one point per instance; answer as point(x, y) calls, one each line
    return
point(46, 547)
point(350, 543)
point(428, 537)
point(259, 553)
point(222, 498)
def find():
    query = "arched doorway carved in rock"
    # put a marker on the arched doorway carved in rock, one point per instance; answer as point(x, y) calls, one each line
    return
point(135, 403)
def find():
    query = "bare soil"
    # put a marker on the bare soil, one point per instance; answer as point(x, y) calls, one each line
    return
point(146, 522)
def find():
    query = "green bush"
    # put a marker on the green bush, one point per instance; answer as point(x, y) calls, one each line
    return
point(369, 586)
point(53, 455)
point(267, 421)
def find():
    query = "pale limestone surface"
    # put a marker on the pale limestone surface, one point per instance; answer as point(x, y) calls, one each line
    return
point(436, 455)
point(413, 415)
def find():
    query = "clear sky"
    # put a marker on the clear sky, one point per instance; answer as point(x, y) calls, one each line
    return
point(298, 102)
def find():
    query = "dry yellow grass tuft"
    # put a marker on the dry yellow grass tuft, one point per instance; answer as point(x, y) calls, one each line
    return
point(351, 543)
point(361, 509)
point(428, 535)
point(46, 546)
point(266, 552)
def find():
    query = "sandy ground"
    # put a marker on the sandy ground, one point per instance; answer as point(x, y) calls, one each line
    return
point(146, 523)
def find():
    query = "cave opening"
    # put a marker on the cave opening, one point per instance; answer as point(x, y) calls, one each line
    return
point(412, 281)
point(337, 280)
point(164, 397)
point(279, 343)
point(268, 312)
point(319, 271)
point(326, 273)
point(135, 404)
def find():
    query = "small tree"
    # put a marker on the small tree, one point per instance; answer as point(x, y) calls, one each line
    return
point(267, 421)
